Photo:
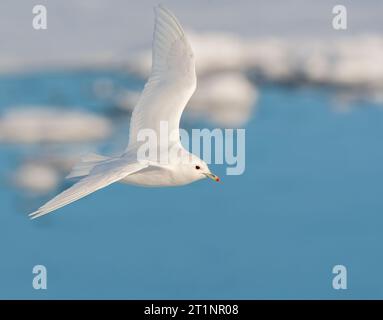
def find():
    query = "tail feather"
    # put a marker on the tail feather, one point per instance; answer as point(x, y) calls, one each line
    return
point(85, 166)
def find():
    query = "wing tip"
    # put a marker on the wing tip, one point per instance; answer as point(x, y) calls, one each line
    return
point(38, 213)
point(159, 6)
point(161, 9)
point(35, 214)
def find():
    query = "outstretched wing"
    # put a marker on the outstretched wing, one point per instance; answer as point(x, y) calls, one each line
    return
point(103, 176)
point(171, 83)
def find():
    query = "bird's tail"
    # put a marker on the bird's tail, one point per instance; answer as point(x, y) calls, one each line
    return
point(85, 166)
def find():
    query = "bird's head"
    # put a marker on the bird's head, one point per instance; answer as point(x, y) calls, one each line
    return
point(199, 169)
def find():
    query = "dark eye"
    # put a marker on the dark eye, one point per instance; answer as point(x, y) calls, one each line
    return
point(197, 167)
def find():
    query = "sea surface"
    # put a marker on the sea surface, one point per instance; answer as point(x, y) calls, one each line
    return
point(309, 199)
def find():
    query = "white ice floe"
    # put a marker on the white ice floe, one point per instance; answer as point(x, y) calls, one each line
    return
point(359, 62)
point(31, 124)
point(347, 61)
point(44, 172)
point(224, 99)
point(36, 178)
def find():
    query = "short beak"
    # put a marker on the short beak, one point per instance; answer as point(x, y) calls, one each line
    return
point(212, 176)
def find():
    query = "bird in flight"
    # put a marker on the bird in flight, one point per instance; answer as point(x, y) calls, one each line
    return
point(171, 84)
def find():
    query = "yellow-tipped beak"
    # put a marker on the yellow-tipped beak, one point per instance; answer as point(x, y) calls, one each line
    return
point(213, 177)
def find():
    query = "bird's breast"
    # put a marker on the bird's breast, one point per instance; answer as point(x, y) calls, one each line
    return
point(155, 177)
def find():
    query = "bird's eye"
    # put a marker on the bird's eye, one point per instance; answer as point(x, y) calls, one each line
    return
point(197, 167)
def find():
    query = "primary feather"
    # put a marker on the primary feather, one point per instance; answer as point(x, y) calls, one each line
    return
point(171, 83)
point(103, 175)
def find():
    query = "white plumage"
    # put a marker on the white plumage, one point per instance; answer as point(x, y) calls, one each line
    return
point(169, 88)
point(172, 80)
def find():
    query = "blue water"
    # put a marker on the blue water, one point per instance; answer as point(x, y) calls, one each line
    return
point(310, 198)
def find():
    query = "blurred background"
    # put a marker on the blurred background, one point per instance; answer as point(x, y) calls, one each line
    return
point(310, 98)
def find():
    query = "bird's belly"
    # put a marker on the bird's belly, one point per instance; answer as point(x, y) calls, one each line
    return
point(153, 178)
